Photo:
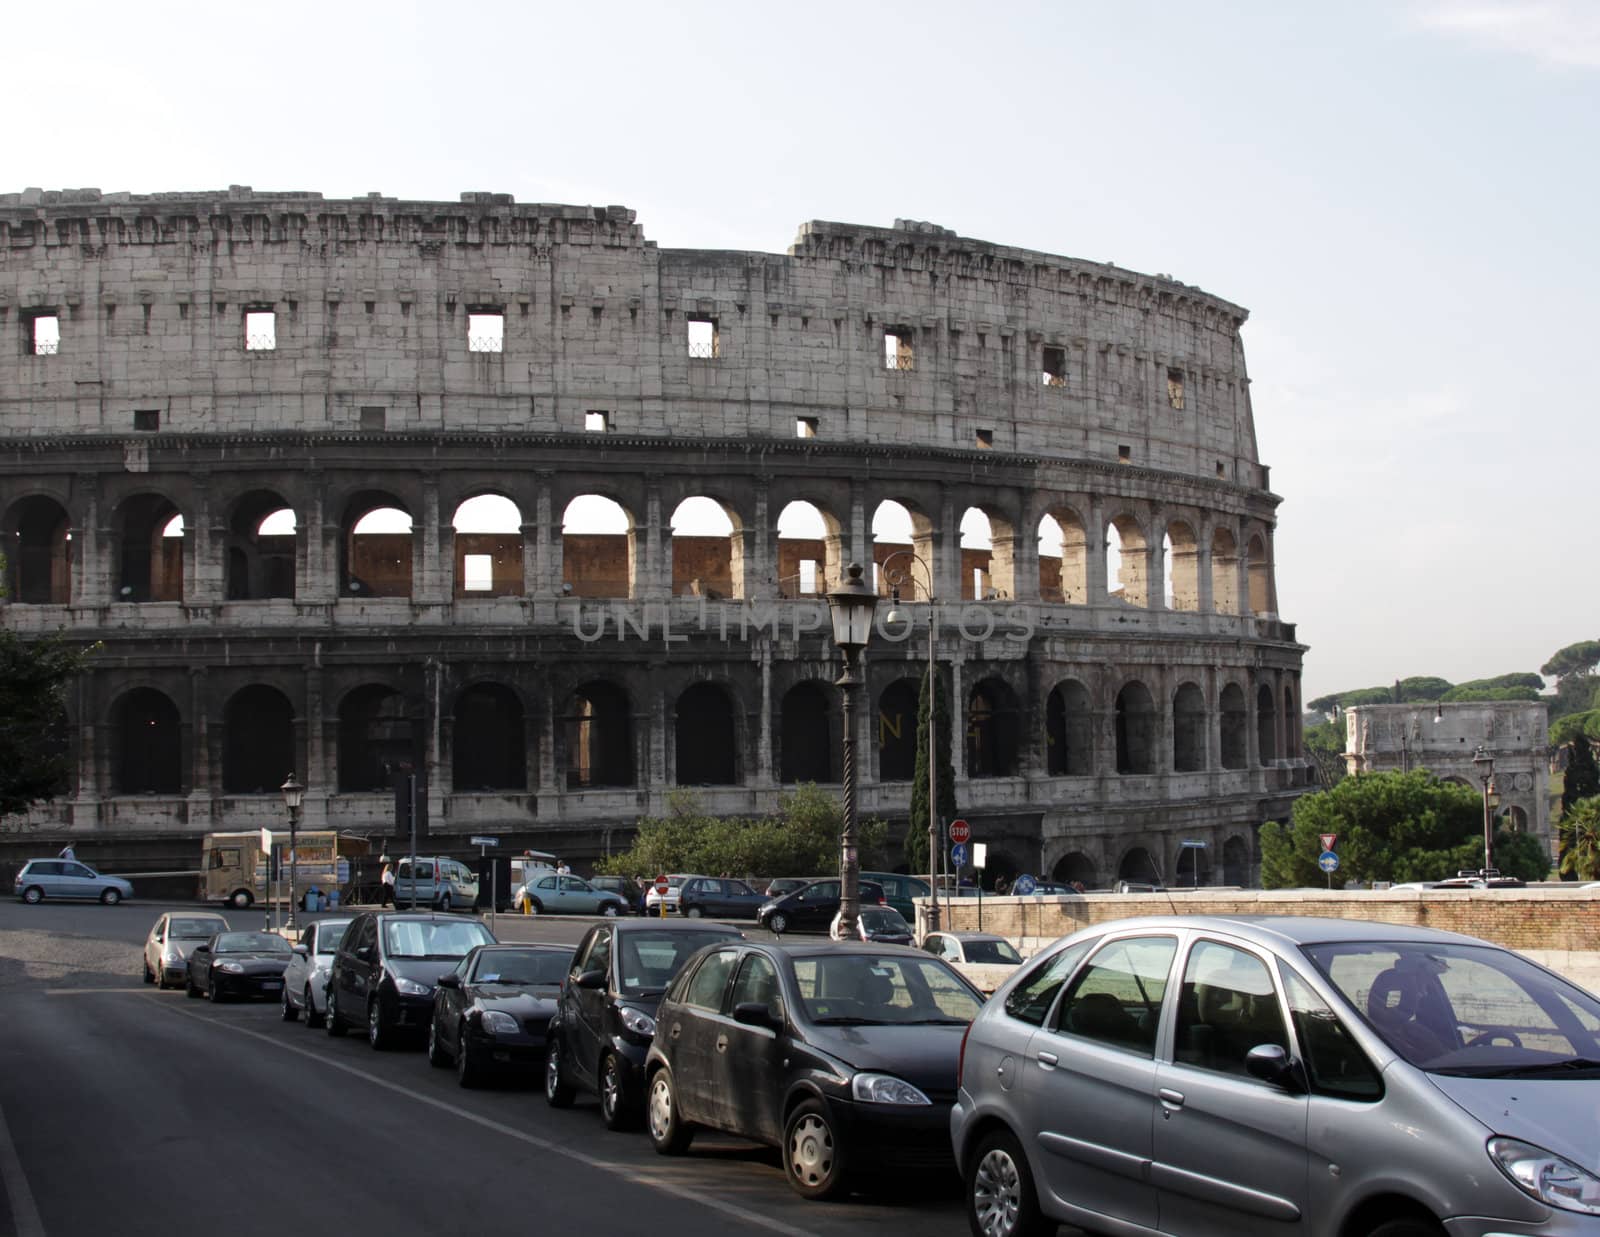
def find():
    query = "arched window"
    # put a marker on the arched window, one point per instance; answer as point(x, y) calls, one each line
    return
point(992, 730)
point(1233, 720)
point(258, 749)
point(1182, 553)
point(1063, 558)
point(260, 541)
point(597, 548)
point(707, 557)
point(1260, 577)
point(1224, 573)
point(1139, 866)
point(807, 749)
point(488, 749)
point(598, 731)
point(1266, 725)
point(40, 552)
point(375, 739)
point(151, 551)
point(1291, 723)
point(149, 744)
point(1075, 868)
point(1127, 572)
point(488, 547)
point(1191, 867)
point(707, 743)
point(1188, 729)
point(1236, 862)
point(377, 548)
point(898, 536)
point(1136, 730)
point(897, 731)
point(808, 551)
point(1069, 731)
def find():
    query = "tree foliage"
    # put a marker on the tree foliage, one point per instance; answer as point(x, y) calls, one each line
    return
point(1325, 743)
point(1582, 780)
point(1520, 685)
point(916, 839)
point(1572, 725)
point(1393, 827)
point(1580, 829)
point(1573, 669)
point(34, 760)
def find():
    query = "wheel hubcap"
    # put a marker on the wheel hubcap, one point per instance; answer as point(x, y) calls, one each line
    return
point(660, 1109)
point(997, 1194)
point(811, 1151)
point(610, 1087)
point(552, 1071)
point(372, 1024)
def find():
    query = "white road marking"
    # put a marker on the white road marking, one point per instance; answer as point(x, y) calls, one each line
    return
point(94, 991)
point(24, 1212)
point(629, 1172)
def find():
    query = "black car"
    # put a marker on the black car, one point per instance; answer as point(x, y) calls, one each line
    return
point(239, 964)
point(387, 964)
point(811, 907)
point(623, 888)
point(607, 1012)
point(846, 1057)
point(718, 898)
point(492, 1013)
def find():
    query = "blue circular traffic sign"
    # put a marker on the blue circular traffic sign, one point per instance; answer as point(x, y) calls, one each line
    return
point(1024, 885)
point(1328, 861)
point(958, 855)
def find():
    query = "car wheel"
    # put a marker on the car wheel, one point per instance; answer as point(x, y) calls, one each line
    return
point(33, 895)
point(777, 923)
point(437, 1056)
point(212, 994)
point(240, 899)
point(669, 1133)
point(812, 1156)
point(468, 1072)
point(1407, 1226)
point(1001, 1200)
point(149, 975)
point(616, 1106)
point(380, 1037)
point(444, 902)
point(538, 906)
point(334, 1025)
point(110, 897)
point(313, 1018)
point(189, 990)
point(558, 1091)
point(609, 910)
point(694, 912)
point(290, 1013)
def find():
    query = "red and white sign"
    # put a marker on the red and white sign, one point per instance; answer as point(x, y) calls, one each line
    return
point(1327, 840)
point(662, 885)
point(960, 832)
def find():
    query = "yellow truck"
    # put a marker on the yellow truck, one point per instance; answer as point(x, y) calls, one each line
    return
point(234, 869)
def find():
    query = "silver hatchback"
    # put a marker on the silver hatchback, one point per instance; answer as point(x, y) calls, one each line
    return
point(1208, 1077)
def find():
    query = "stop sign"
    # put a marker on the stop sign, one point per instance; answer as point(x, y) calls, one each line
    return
point(661, 885)
point(960, 831)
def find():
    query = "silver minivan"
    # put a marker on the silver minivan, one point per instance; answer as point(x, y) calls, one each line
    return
point(1200, 1076)
point(436, 881)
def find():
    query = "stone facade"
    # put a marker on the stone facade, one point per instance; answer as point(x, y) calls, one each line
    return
point(232, 358)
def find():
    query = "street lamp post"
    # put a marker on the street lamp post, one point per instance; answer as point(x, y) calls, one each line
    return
point(293, 794)
point(851, 606)
point(1485, 766)
point(934, 841)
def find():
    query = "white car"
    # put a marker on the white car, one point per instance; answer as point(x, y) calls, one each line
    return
point(166, 949)
point(305, 979)
point(653, 900)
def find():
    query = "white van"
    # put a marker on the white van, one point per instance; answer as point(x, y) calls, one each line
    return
point(437, 881)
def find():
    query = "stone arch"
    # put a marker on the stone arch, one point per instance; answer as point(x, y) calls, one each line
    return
point(377, 736)
point(807, 748)
point(707, 549)
point(1191, 867)
point(1139, 866)
point(599, 548)
point(897, 730)
point(150, 543)
point(259, 553)
point(901, 532)
point(1181, 551)
point(597, 728)
point(1000, 866)
point(1069, 730)
point(706, 737)
point(1224, 572)
point(988, 554)
point(376, 549)
point(1513, 818)
point(1136, 729)
point(993, 730)
point(39, 552)
point(486, 546)
point(1260, 570)
point(1075, 868)
point(1233, 720)
point(258, 741)
point(488, 744)
point(809, 553)
point(1127, 561)
point(148, 745)
point(1188, 729)
point(1236, 862)
point(1291, 723)
point(1266, 725)
point(1063, 557)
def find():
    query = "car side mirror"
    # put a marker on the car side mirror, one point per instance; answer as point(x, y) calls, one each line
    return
point(302, 951)
point(754, 1014)
point(592, 980)
point(1270, 1063)
point(451, 980)
point(200, 949)
point(364, 952)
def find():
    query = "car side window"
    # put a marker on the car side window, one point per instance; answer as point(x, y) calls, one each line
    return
point(1335, 1064)
point(737, 887)
point(711, 980)
point(599, 957)
point(1030, 1000)
point(548, 882)
point(1226, 1006)
point(368, 939)
point(758, 985)
point(1116, 998)
point(824, 891)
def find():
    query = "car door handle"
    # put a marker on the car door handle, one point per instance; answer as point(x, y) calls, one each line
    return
point(677, 1030)
point(722, 1043)
point(1048, 1060)
point(1170, 1097)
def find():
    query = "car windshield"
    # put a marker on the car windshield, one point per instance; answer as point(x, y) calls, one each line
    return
point(521, 966)
point(650, 959)
point(1471, 1010)
point(881, 919)
point(991, 953)
point(251, 943)
point(328, 933)
point(433, 938)
point(192, 929)
point(861, 989)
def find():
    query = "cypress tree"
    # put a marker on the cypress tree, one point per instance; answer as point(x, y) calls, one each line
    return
point(917, 827)
point(1581, 782)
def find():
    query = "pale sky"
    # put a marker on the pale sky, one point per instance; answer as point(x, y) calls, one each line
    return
point(1402, 194)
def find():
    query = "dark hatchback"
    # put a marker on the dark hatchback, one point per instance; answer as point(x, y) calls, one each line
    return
point(387, 964)
point(811, 907)
point(492, 1013)
point(239, 964)
point(607, 1011)
point(845, 1057)
point(718, 898)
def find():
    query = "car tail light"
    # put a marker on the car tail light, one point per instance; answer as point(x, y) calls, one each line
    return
point(961, 1060)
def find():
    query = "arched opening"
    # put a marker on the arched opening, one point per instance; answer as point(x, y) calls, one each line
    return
point(1188, 729)
point(1266, 725)
point(808, 551)
point(149, 745)
point(807, 750)
point(1075, 868)
point(377, 548)
point(899, 536)
point(1291, 723)
point(1260, 577)
point(1514, 819)
point(1063, 558)
point(1136, 729)
point(707, 550)
point(1140, 867)
point(1233, 717)
point(260, 547)
point(1191, 867)
point(977, 557)
point(258, 746)
point(1182, 575)
point(375, 739)
point(488, 747)
point(1224, 572)
point(598, 729)
point(1000, 869)
point(1127, 571)
point(1069, 731)
point(40, 554)
point(598, 548)
point(897, 731)
point(707, 738)
point(992, 730)
point(488, 547)
point(150, 529)
point(1236, 862)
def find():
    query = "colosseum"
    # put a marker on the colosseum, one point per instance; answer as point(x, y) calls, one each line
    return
point(510, 496)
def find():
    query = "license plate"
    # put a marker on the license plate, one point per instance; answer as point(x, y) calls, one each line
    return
point(272, 985)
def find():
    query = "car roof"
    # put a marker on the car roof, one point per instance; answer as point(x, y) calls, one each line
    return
point(539, 946)
point(971, 936)
point(832, 949)
point(1278, 930)
point(673, 925)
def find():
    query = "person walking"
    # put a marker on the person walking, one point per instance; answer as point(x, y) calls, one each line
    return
point(386, 884)
point(68, 853)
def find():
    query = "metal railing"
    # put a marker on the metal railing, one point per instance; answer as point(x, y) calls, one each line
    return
point(901, 359)
point(705, 351)
point(485, 343)
point(1054, 380)
point(46, 347)
point(261, 343)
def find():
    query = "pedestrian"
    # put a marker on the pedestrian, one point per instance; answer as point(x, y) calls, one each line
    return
point(68, 853)
point(562, 869)
point(386, 884)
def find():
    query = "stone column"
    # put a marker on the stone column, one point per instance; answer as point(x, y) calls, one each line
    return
point(428, 584)
point(1156, 564)
point(196, 731)
point(941, 555)
point(203, 568)
point(766, 775)
point(91, 573)
point(858, 534)
point(1205, 594)
point(318, 775)
point(551, 780)
point(755, 559)
point(1094, 567)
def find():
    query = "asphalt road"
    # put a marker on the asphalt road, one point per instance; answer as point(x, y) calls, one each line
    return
point(139, 1111)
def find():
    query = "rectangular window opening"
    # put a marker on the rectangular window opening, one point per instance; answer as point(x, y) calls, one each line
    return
point(1175, 388)
point(985, 440)
point(1124, 454)
point(805, 427)
point(1222, 470)
point(260, 330)
point(705, 341)
point(596, 422)
point(1055, 367)
point(374, 417)
point(897, 350)
point(477, 573)
point(808, 576)
point(147, 420)
point(486, 330)
point(44, 334)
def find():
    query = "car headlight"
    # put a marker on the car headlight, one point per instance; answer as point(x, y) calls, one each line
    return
point(410, 987)
point(497, 1023)
point(637, 1021)
point(232, 968)
point(171, 957)
point(1554, 1181)
point(885, 1089)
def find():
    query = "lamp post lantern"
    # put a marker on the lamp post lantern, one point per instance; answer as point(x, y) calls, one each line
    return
point(934, 848)
point(1491, 797)
point(293, 794)
point(851, 606)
